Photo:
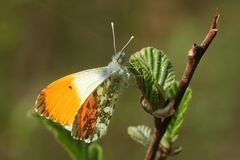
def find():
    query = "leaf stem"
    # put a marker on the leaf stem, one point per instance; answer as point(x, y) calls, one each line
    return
point(194, 56)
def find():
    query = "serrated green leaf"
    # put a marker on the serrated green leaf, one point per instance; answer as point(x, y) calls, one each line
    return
point(154, 75)
point(78, 150)
point(141, 134)
point(172, 131)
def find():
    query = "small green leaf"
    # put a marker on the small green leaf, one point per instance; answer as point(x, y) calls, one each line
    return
point(78, 150)
point(154, 75)
point(141, 134)
point(172, 131)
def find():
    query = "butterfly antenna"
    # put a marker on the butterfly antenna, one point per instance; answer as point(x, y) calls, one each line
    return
point(127, 44)
point(114, 39)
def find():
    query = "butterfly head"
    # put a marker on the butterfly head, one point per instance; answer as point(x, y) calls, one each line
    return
point(119, 58)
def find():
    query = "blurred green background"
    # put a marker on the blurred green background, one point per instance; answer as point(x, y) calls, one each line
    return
point(42, 40)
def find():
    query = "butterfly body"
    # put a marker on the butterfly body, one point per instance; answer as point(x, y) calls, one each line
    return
point(83, 102)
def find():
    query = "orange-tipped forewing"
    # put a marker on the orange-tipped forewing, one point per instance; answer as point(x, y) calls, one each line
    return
point(59, 101)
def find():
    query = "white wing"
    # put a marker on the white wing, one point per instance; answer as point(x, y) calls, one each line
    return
point(87, 81)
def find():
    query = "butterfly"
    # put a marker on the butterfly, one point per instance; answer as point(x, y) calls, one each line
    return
point(84, 102)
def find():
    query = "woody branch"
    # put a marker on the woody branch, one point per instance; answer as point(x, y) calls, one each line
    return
point(194, 56)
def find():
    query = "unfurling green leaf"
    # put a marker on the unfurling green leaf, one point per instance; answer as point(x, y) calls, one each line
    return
point(154, 75)
point(172, 131)
point(78, 150)
point(95, 151)
point(141, 134)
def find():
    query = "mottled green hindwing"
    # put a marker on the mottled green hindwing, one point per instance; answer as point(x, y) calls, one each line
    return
point(105, 98)
point(107, 95)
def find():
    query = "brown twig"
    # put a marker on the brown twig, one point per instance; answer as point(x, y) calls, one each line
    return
point(194, 56)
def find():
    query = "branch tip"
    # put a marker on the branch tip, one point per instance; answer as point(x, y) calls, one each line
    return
point(215, 20)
